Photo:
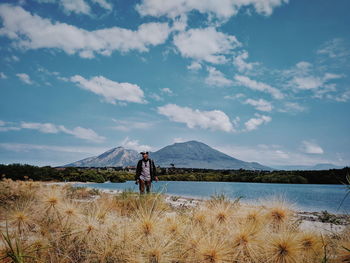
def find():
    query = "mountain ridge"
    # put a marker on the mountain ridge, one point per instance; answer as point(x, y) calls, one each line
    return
point(118, 156)
point(190, 154)
point(194, 154)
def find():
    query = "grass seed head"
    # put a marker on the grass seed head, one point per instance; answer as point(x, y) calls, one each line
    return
point(247, 243)
point(284, 248)
point(279, 213)
point(311, 244)
point(213, 248)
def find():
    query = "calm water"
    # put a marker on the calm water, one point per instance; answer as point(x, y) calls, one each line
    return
point(306, 197)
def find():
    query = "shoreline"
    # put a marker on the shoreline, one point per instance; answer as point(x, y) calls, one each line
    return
point(188, 197)
point(323, 221)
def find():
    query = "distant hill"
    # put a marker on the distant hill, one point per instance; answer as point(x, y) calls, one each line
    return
point(191, 154)
point(114, 157)
point(320, 166)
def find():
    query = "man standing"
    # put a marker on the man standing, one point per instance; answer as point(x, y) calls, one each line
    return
point(146, 172)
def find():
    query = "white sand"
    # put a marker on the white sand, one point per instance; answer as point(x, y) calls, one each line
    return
point(309, 222)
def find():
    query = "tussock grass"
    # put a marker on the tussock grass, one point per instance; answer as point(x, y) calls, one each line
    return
point(59, 224)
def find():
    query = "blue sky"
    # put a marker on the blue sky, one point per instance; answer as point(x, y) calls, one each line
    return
point(261, 80)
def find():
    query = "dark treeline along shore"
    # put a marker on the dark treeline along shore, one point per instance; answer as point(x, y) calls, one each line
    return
point(119, 174)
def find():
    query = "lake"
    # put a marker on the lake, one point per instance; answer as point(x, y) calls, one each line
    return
point(305, 197)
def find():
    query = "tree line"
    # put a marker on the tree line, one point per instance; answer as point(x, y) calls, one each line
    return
point(69, 174)
point(100, 175)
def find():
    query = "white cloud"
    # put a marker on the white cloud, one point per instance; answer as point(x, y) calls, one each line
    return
point(29, 31)
point(264, 154)
point(75, 6)
point(205, 44)
point(329, 76)
point(173, 9)
point(344, 97)
point(5, 126)
point(217, 78)
point(233, 97)
point(166, 90)
point(155, 97)
point(24, 78)
point(292, 107)
point(78, 132)
point(134, 145)
point(104, 4)
point(78, 6)
point(65, 79)
point(334, 48)
point(111, 91)
point(123, 125)
point(8, 128)
point(261, 104)
point(304, 66)
point(241, 64)
point(21, 147)
point(313, 82)
point(305, 77)
point(83, 133)
point(311, 147)
point(307, 83)
point(195, 66)
point(50, 128)
point(254, 123)
point(12, 58)
point(320, 86)
point(272, 155)
point(43, 155)
point(46, 1)
point(179, 139)
point(2, 75)
point(42, 127)
point(223, 9)
point(236, 121)
point(213, 120)
point(260, 86)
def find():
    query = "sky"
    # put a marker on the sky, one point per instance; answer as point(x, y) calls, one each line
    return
point(260, 80)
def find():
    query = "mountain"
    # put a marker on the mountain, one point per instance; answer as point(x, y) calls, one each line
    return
point(191, 154)
point(114, 157)
point(319, 166)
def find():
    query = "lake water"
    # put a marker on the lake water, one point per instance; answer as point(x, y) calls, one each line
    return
point(306, 197)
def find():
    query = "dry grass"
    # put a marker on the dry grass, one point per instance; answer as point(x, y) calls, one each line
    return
point(59, 224)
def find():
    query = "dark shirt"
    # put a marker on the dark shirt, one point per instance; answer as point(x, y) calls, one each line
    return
point(152, 168)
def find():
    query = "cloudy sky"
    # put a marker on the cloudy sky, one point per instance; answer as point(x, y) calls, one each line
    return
point(261, 80)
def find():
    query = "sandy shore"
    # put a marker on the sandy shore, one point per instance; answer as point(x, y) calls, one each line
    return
point(308, 220)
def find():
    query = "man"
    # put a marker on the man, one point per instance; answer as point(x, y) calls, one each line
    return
point(146, 172)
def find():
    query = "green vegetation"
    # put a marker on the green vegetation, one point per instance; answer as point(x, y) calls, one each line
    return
point(334, 176)
point(326, 217)
point(47, 173)
point(242, 176)
point(100, 175)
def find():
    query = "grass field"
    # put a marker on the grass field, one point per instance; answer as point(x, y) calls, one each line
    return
point(55, 223)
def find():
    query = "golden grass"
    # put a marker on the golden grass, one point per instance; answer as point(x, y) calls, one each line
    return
point(59, 224)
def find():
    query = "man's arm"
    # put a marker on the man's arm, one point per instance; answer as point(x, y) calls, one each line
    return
point(154, 171)
point(138, 171)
